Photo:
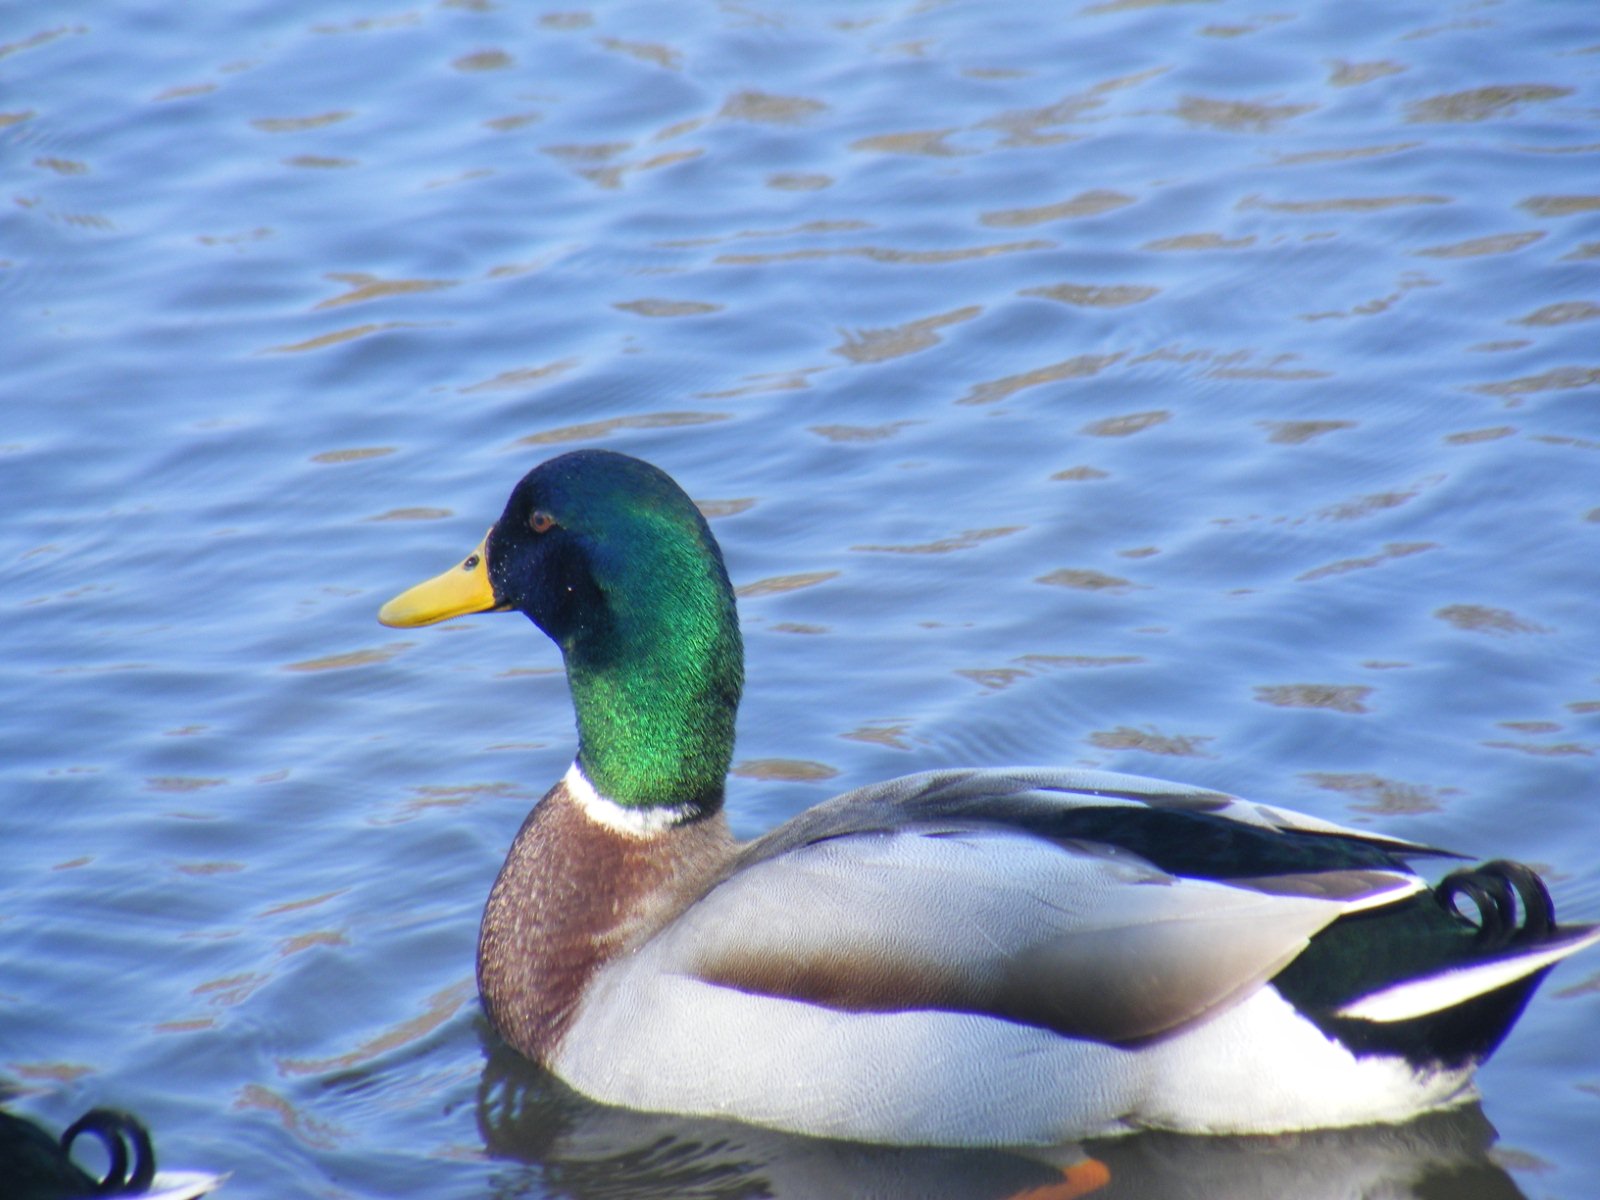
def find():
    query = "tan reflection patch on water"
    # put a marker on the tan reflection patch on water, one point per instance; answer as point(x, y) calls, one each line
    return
point(513, 121)
point(1310, 157)
point(765, 383)
point(1088, 581)
point(1082, 367)
point(1550, 439)
point(1334, 697)
point(365, 287)
point(1126, 425)
point(592, 430)
point(1482, 104)
point(440, 1007)
point(180, 783)
point(1086, 295)
point(862, 433)
point(994, 678)
point(1353, 74)
point(654, 307)
point(1564, 313)
point(208, 868)
point(259, 234)
point(355, 454)
point(1346, 204)
point(886, 254)
point(767, 109)
point(791, 182)
point(1471, 437)
point(1238, 116)
point(804, 228)
point(1151, 741)
point(1389, 553)
point(320, 162)
point(1531, 726)
point(588, 151)
point(1409, 281)
point(520, 378)
point(425, 798)
point(1277, 374)
point(1365, 506)
point(1558, 380)
point(614, 177)
point(307, 941)
point(1073, 662)
point(1000, 678)
point(776, 584)
point(653, 53)
point(484, 60)
point(61, 166)
point(783, 770)
point(1547, 749)
point(300, 124)
point(929, 142)
point(413, 514)
point(880, 345)
point(299, 905)
point(1297, 433)
point(355, 658)
point(229, 990)
point(892, 734)
point(304, 1128)
point(1584, 987)
point(192, 1025)
point(369, 24)
point(1389, 797)
point(1201, 241)
point(1480, 618)
point(1561, 206)
point(961, 541)
point(1082, 474)
point(1500, 243)
point(1084, 204)
point(56, 1072)
point(340, 336)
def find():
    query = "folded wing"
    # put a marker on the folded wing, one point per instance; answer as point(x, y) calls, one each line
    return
point(1082, 938)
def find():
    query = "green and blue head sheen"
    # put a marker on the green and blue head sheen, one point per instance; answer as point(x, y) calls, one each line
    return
point(611, 559)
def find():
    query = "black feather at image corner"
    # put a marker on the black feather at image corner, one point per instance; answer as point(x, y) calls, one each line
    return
point(37, 1166)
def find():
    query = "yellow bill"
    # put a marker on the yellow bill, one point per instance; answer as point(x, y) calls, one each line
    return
point(461, 590)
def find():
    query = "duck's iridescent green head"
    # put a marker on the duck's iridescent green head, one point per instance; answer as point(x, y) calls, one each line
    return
point(608, 556)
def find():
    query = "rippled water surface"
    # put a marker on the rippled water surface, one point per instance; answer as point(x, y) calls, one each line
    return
point(1207, 390)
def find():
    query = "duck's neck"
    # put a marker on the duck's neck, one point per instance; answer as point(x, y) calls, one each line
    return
point(656, 690)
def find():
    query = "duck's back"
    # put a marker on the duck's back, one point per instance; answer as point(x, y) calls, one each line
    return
point(1017, 956)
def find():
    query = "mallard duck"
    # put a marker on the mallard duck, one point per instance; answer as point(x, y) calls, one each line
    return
point(960, 957)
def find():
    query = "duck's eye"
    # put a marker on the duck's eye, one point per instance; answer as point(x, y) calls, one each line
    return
point(541, 521)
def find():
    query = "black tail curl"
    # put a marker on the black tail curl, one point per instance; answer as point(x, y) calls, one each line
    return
point(1513, 903)
point(116, 1130)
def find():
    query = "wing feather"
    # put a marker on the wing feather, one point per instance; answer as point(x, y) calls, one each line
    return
point(1077, 937)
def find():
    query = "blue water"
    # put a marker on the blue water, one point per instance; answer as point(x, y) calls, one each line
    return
point(1203, 390)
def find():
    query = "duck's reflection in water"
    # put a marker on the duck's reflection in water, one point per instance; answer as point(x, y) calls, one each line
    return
point(573, 1147)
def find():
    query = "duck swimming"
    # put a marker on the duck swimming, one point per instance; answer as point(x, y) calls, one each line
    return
point(961, 957)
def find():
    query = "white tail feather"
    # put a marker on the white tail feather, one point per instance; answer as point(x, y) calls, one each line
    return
point(1435, 993)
